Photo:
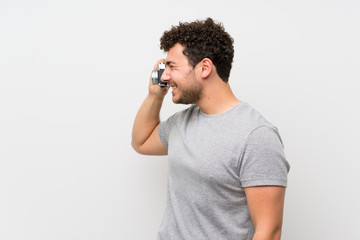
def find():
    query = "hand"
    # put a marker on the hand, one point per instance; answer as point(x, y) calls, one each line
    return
point(157, 90)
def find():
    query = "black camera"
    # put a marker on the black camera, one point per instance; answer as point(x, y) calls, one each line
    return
point(156, 75)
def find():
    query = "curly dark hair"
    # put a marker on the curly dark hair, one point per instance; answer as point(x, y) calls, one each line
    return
point(202, 39)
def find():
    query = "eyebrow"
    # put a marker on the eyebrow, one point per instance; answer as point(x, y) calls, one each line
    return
point(169, 62)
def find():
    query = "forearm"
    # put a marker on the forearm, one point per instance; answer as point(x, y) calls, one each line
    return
point(146, 120)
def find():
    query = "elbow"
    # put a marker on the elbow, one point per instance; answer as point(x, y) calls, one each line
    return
point(135, 146)
point(270, 234)
point(276, 234)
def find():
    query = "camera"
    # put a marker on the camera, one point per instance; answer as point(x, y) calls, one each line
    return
point(156, 75)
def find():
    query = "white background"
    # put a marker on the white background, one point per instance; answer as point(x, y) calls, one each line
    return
point(74, 73)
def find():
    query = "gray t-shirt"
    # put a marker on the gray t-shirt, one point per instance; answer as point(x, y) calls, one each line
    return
point(211, 159)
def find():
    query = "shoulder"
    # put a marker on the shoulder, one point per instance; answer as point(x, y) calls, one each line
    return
point(250, 120)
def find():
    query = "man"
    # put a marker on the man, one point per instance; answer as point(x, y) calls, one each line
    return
point(227, 169)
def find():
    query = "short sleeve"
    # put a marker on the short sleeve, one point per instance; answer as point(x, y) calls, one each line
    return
point(164, 129)
point(263, 160)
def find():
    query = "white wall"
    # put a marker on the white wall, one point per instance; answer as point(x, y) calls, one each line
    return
point(73, 74)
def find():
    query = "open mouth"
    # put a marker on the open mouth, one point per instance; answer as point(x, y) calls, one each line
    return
point(173, 86)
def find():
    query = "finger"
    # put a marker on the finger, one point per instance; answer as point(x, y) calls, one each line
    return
point(157, 63)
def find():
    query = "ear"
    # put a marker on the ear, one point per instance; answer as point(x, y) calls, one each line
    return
point(206, 67)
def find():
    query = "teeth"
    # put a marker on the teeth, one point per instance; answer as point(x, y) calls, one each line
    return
point(173, 85)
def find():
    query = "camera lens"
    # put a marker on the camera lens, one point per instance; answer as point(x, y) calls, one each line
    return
point(154, 76)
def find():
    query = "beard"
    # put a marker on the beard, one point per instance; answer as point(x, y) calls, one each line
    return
point(189, 94)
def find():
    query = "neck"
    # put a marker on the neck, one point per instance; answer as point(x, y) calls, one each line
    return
point(217, 97)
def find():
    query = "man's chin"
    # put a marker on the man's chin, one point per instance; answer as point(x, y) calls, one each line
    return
point(176, 101)
point(179, 101)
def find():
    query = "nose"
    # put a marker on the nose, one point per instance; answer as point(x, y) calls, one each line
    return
point(165, 77)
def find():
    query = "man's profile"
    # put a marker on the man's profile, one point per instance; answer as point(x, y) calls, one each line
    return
point(227, 168)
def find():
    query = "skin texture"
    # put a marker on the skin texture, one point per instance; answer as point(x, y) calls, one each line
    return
point(145, 137)
point(266, 204)
point(202, 85)
point(181, 77)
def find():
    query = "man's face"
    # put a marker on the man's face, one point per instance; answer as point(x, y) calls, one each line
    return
point(181, 75)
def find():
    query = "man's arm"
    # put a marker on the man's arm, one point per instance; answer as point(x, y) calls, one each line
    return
point(145, 137)
point(266, 204)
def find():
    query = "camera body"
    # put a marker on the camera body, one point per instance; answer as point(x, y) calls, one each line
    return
point(156, 75)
